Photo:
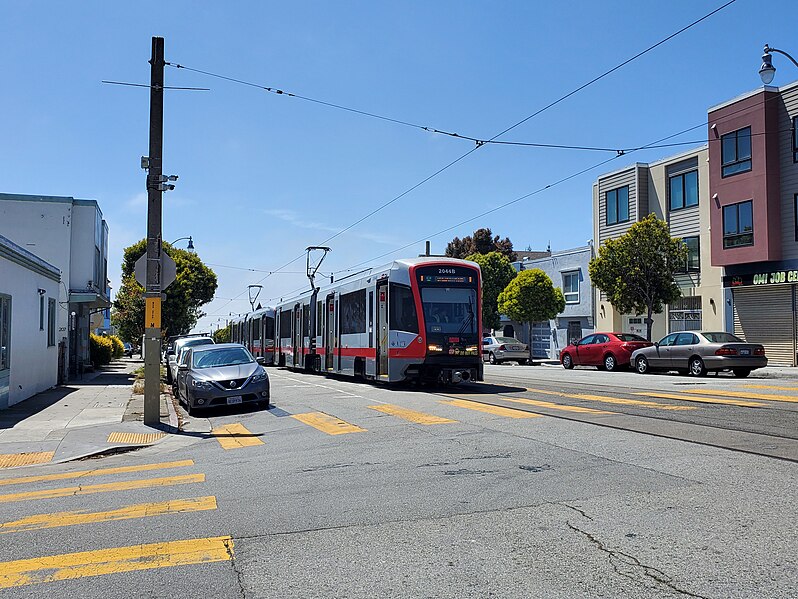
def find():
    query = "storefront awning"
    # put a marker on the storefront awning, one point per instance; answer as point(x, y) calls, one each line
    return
point(93, 300)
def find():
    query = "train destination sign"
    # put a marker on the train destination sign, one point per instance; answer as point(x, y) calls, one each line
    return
point(777, 277)
point(446, 275)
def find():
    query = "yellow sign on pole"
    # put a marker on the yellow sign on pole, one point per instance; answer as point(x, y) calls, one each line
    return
point(152, 313)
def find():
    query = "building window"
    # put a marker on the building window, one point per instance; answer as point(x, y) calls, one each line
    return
point(570, 287)
point(684, 190)
point(41, 312)
point(618, 205)
point(685, 314)
point(5, 332)
point(794, 139)
point(50, 322)
point(693, 261)
point(736, 152)
point(738, 225)
point(795, 214)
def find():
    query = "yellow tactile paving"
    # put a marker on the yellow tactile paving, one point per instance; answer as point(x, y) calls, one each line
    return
point(135, 438)
point(10, 460)
point(141, 510)
point(490, 409)
point(411, 415)
point(731, 402)
point(745, 395)
point(328, 424)
point(96, 472)
point(104, 488)
point(556, 406)
point(235, 436)
point(614, 400)
point(119, 559)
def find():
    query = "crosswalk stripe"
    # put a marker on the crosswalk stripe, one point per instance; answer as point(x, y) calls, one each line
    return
point(775, 387)
point(328, 424)
point(11, 460)
point(614, 400)
point(490, 409)
point(745, 395)
point(141, 510)
point(411, 415)
point(731, 402)
point(104, 488)
point(556, 406)
point(97, 472)
point(234, 436)
point(69, 566)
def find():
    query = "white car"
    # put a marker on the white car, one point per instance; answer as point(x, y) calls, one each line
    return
point(172, 354)
point(501, 349)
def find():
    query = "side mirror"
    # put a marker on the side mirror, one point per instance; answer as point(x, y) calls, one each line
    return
point(576, 343)
point(261, 360)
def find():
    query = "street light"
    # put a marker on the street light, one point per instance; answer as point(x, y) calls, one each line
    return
point(767, 71)
point(190, 247)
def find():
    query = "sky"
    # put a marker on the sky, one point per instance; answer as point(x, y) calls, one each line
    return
point(262, 176)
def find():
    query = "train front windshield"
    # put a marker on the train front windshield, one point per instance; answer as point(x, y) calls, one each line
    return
point(450, 310)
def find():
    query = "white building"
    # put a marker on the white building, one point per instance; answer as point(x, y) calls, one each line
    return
point(29, 290)
point(71, 235)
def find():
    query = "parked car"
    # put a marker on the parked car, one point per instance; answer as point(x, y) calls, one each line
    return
point(128, 349)
point(171, 353)
point(500, 349)
point(221, 375)
point(697, 353)
point(606, 351)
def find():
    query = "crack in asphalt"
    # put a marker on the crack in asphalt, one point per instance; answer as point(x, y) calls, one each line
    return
point(576, 509)
point(617, 558)
point(233, 564)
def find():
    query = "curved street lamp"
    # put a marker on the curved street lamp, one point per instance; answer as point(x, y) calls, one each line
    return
point(767, 71)
point(190, 247)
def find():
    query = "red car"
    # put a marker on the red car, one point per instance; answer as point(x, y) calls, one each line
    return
point(607, 351)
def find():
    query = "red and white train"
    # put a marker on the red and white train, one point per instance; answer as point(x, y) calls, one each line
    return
point(256, 331)
point(413, 319)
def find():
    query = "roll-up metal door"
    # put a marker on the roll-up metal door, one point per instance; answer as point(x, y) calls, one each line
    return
point(766, 316)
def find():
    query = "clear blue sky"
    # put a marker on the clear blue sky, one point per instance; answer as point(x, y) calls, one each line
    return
point(263, 176)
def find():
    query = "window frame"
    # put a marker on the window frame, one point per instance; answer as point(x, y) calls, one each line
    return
point(565, 292)
point(51, 317)
point(5, 332)
point(618, 220)
point(724, 164)
point(687, 268)
point(795, 139)
point(684, 203)
point(738, 234)
point(795, 214)
point(41, 312)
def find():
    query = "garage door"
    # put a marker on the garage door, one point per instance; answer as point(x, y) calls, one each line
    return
point(767, 316)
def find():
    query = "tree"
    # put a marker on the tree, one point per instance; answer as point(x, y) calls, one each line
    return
point(497, 272)
point(193, 287)
point(637, 270)
point(222, 335)
point(482, 242)
point(531, 297)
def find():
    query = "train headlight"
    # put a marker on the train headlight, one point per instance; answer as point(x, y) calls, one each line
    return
point(434, 348)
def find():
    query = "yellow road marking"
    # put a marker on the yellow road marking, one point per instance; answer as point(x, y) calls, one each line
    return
point(490, 409)
point(129, 512)
point(743, 394)
point(411, 415)
point(98, 472)
point(556, 406)
point(104, 488)
point(69, 566)
point(777, 388)
point(614, 400)
point(731, 402)
point(233, 436)
point(135, 438)
point(10, 460)
point(328, 424)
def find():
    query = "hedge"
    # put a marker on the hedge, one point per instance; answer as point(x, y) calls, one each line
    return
point(119, 348)
point(101, 349)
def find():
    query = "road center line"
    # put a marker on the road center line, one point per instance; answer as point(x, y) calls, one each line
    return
point(411, 415)
point(732, 402)
point(235, 436)
point(328, 424)
point(745, 395)
point(97, 472)
point(490, 409)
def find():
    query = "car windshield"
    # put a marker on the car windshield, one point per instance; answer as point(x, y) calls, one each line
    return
point(629, 337)
point(191, 343)
point(449, 310)
point(507, 340)
point(722, 338)
point(224, 356)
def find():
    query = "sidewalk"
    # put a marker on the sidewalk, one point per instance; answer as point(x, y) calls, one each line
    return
point(94, 415)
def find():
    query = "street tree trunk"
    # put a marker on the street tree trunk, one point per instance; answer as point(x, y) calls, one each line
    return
point(649, 322)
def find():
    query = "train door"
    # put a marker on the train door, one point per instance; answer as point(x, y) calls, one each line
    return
point(382, 330)
point(371, 362)
point(329, 332)
point(297, 339)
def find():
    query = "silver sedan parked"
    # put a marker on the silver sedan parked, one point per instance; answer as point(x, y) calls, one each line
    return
point(697, 353)
point(500, 349)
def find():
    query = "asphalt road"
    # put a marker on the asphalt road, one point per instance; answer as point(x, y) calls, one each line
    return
point(345, 489)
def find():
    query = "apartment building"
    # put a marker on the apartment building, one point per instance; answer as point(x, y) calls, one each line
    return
point(677, 190)
point(71, 235)
point(753, 171)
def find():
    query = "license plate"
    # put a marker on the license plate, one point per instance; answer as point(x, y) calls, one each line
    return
point(745, 352)
point(234, 399)
point(515, 348)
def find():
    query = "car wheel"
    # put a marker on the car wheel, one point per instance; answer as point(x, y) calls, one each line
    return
point(697, 367)
point(610, 363)
point(567, 362)
point(741, 372)
point(492, 358)
point(641, 365)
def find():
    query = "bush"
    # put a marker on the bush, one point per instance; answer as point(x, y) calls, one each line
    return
point(101, 349)
point(118, 348)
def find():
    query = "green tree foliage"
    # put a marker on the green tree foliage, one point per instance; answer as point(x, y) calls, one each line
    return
point(194, 287)
point(222, 335)
point(637, 270)
point(481, 242)
point(101, 350)
point(497, 272)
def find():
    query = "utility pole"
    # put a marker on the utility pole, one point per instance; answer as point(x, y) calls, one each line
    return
point(152, 295)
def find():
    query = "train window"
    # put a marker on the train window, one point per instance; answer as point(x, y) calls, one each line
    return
point(403, 314)
point(285, 324)
point(269, 328)
point(319, 318)
point(353, 312)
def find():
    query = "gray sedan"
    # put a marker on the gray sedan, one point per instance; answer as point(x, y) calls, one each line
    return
point(500, 349)
point(698, 353)
point(222, 375)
